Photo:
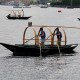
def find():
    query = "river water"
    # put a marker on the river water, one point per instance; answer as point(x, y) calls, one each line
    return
point(65, 67)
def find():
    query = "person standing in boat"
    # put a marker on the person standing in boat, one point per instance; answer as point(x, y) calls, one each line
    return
point(42, 34)
point(22, 13)
point(59, 36)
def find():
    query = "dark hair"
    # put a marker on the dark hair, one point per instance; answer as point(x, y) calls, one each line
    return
point(41, 29)
point(57, 29)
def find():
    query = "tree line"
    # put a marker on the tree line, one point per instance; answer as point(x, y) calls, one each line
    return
point(72, 3)
point(62, 3)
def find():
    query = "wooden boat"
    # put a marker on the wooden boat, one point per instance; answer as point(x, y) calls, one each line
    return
point(19, 16)
point(17, 7)
point(43, 6)
point(25, 18)
point(36, 49)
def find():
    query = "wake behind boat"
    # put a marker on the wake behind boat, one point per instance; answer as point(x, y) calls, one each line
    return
point(37, 49)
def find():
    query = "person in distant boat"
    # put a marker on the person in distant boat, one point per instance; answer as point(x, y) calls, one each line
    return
point(14, 13)
point(22, 13)
point(19, 14)
point(42, 34)
point(59, 36)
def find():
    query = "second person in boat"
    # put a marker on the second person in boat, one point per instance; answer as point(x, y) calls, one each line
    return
point(42, 34)
point(59, 36)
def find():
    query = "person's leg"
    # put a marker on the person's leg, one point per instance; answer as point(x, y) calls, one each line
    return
point(59, 42)
point(42, 42)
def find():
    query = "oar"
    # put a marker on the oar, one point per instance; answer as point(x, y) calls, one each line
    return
point(48, 36)
point(30, 39)
point(39, 44)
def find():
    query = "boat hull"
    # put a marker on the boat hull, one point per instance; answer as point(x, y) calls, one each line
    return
point(25, 18)
point(32, 50)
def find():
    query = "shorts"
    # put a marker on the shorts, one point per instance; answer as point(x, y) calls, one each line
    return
point(42, 39)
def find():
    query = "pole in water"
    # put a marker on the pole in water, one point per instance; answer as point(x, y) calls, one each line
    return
point(59, 50)
point(40, 51)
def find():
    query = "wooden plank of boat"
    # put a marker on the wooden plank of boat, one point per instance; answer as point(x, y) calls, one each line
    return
point(32, 50)
point(18, 17)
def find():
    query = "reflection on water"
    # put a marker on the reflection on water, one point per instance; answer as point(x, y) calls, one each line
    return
point(39, 68)
point(52, 67)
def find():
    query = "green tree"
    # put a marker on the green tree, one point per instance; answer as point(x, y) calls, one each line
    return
point(66, 2)
point(71, 2)
point(55, 2)
point(76, 3)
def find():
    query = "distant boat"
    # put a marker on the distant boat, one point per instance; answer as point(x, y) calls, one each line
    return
point(43, 6)
point(17, 6)
point(26, 6)
point(25, 18)
point(17, 15)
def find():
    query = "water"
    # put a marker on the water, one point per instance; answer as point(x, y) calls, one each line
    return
point(65, 67)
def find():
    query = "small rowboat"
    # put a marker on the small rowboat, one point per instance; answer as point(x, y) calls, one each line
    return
point(20, 15)
point(36, 49)
point(25, 18)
